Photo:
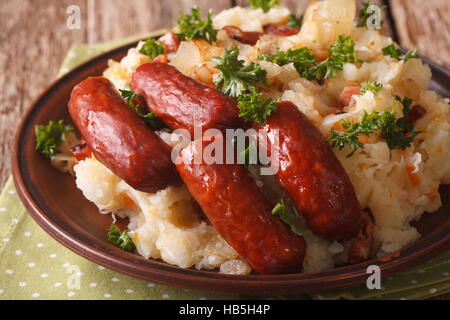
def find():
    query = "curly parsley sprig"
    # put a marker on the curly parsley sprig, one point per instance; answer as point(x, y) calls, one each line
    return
point(398, 133)
point(235, 78)
point(120, 239)
point(295, 22)
point(49, 137)
point(193, 27)
point(304, 61)
point(352, 131)
point(372, 86)
point(396, 53)
point(136, 102)
point(341, 52)
point(403, 121)
point(253, 108)
point(239, 81)
point(152, 48)
point(266, 5)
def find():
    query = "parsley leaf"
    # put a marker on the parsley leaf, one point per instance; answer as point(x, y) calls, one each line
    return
point(135, 101)
point(373, 86)
point(411, 54)
point(193, 27)
point(239, 81)
point(403, 122)
point(352, 131)
point(396, 53)
point(341, 52)
point(287, 217)
point(302, 58)
point(235, 78)
point(392, 51)
point(397, 133)
point(49, 137)
point(120, 239)
point(365, 14)
point(295, 22)
point(152, 48)
point(253, 108)
point(266, 5)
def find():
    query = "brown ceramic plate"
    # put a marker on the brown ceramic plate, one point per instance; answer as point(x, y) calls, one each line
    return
point(62, 211)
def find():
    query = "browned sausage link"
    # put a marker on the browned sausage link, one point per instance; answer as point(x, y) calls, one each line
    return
point(181, 102)
point(119, 138)
point(246, 37)
point(81, 151)
point(240, 212)
point(361, 244)
point(281, 30)
point(311, 174)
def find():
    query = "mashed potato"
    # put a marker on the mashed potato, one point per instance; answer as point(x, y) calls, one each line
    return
point(166, 224)
point(397, 186)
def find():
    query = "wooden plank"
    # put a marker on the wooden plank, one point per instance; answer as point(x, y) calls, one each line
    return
point(115, 19)
point(34, 41)
point(424, 25)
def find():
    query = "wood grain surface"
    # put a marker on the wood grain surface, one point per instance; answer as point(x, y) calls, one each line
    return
point(34, 39)
point(424, 25)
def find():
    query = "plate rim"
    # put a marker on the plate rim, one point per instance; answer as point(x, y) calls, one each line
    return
point(163, 273)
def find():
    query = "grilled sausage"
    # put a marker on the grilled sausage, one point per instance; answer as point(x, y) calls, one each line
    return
point(240, 212)
point(280, 30)
point(181, 102)
point(119, 138)
point(361, 244)
point(81, 151)
point(311, 174)
point(246, 37)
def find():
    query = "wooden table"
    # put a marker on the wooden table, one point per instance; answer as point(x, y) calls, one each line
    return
point(34, 39)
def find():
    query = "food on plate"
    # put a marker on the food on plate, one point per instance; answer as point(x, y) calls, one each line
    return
point(364, 143)
point(240, 212)
point(251, 37)
point(120, 239)
point(311, 174)
point(361, 244)
point(246, 37)
point(118, 138)
point(278, 29)
point(49, 137)
point(183, 103)
point(80, 151)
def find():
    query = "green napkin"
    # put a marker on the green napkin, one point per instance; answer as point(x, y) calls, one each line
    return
point(34, 266)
